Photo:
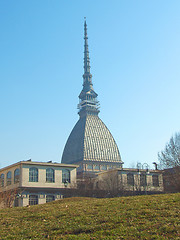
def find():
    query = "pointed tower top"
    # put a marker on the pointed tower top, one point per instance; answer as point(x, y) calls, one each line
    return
point(88, 102)
point(86, 50)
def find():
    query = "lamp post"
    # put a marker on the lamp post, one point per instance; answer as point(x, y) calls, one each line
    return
point(145, 166)
point(18, 195)
point(139, 165)
point(156, 166)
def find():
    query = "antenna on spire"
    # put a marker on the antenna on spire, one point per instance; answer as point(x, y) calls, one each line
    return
point(86, 51)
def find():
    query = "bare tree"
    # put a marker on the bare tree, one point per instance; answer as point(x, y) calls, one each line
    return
point(112, 183)
point(170, 156)
point(169, 160)
point(85, 182)
point(8, 197)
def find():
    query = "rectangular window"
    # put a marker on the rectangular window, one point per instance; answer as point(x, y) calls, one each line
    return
point(33, 199)
point(66, 176)
point(2, 180)
point(143, 181)
point(50, 198)
point(155, 180)
point(130, 179)
point(33, 174)
point(50, 175)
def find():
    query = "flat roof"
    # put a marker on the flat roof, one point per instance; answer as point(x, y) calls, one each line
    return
point(129, 170)
point(49, 163)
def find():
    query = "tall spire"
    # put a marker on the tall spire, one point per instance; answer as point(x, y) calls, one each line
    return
point(86, 51)
point(88, 102)
point(87, 75)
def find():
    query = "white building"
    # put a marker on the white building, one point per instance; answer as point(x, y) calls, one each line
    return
point(37, 182)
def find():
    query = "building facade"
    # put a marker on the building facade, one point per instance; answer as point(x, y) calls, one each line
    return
point(90, 144)
point(171, 177)
point(131, 180)
point(37, 182)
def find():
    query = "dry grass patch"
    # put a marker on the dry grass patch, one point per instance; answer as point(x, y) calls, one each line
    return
point(139, 217)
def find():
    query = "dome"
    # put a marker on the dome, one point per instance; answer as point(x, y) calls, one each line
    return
point(90, 140)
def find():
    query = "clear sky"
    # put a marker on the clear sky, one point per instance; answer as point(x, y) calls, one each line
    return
point(135, 62)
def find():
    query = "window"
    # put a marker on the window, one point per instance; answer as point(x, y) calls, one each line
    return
point(33, 199)
point(33, 174)
point(9, 176)
point(155, 180)
point(90, 167)
point(66, 176)
point(143, 181)
point(50, 198)
point(96, 167)
point(104, 167)
point(2, 180)
point(16, 175)
point(118, 166)
point(49, 175)
point(130, 179)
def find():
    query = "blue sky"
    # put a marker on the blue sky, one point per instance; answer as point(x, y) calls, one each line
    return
point(135, 62)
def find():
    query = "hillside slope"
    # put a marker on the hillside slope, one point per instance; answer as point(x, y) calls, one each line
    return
point(139, 217)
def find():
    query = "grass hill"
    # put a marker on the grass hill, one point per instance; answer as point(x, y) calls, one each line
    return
point(138, 217)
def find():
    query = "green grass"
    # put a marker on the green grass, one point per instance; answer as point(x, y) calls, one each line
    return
point(139, 217)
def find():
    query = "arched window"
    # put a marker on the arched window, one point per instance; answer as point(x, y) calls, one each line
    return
point(33, 174)
point(90, 167)
point(96, 167)
point(9, 176)
point(50, 198)
point(103, 167)
point(143, 180)
point(33, 199)
point(66, 176)
point(130, 179)
point(49, 175)
point(16, 175)
point(2, 180)
point(155, 180)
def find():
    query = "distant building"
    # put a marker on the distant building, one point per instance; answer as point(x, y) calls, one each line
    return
point(90, 144)
point(130, 180)
point(37, 182)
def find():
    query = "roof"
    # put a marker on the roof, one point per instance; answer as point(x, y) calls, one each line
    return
point(130, 170)
point(91, 140)
point(50, 163)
